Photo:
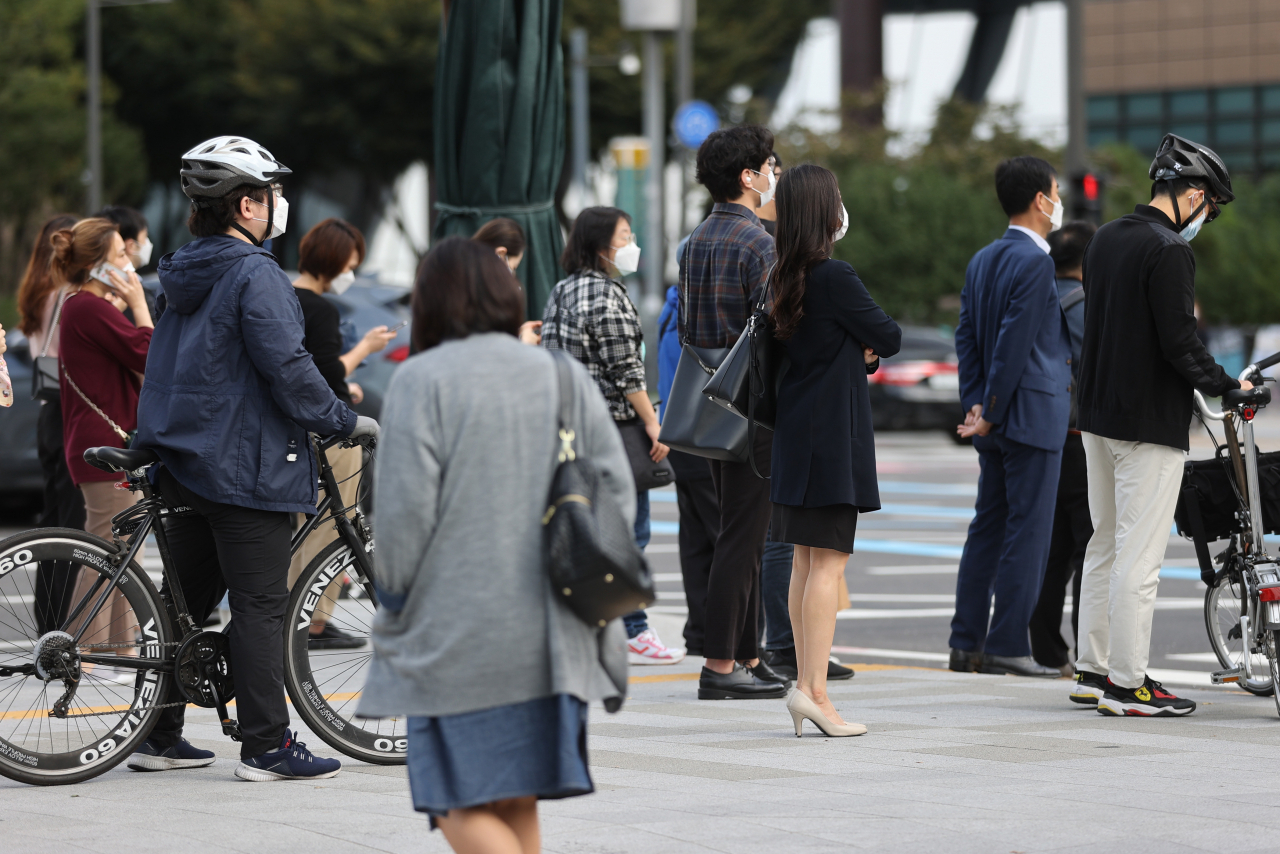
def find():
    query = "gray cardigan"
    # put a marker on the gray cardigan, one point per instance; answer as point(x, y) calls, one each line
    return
point(464, 469)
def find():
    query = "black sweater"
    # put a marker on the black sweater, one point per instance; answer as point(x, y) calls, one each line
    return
point(1141, 356)
point(323, 340)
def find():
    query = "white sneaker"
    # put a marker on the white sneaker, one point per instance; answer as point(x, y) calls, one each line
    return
point(648, 648)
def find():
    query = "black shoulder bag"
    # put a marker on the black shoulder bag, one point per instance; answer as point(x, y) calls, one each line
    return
point(747, 381)
point(692, 422)
point(591, 551)
point(44, 368)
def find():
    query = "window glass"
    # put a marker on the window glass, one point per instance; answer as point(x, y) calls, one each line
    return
point(1271, 132)
point(1238, 162)
point(1233, 133)
point(1271, 98)
point(1236, 101)
point(1189, 104)
point(1194, 131)
point(1101, 136)
point(1140, 107)
point(1145, 138)
point(1104, 109)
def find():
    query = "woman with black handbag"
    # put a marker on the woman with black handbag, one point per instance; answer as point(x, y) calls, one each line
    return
point(590, 315)
point(470, 640)
point(824, 471)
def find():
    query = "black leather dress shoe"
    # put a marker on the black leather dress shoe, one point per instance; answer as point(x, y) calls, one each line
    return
point(965, 661)
point(1022, 665)
point(739, 684)
point(765, 673)
point(782, 661)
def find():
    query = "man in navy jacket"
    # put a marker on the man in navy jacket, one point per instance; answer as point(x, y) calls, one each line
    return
point(1015, 383)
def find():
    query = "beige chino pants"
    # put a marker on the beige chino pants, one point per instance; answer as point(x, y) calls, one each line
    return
point(116, 622)
point(1133, 491)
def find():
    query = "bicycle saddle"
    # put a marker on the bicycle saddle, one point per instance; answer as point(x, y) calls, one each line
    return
point(120, 459)
point(1257, 396)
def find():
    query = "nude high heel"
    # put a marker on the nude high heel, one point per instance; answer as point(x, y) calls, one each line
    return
point(801, 707)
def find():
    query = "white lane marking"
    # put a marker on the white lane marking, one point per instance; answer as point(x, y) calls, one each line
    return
point(668, 576)
point(916, 569)
point(1197, 657)
point(892, 613)
point(662, 548)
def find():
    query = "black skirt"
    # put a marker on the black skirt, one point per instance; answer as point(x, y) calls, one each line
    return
point(830, 527)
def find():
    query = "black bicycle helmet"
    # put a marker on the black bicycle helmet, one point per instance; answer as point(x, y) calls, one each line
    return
point(217, 166)
point(1181, 158)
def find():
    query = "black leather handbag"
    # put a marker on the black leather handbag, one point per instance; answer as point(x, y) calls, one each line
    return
point(647, 473)
point(746, 382)
point(44, 369)
point(693, 423)
point(592, 558)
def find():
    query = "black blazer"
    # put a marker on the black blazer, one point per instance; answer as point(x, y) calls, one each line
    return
point(823, 445)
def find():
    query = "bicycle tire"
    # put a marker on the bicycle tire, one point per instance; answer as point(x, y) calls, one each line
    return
point(96, 737)
point(1222, 609)
point(325, 685)
point(1273, 656)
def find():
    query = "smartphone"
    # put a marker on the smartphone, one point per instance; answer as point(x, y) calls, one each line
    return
point(401, 325)
point(100, 273)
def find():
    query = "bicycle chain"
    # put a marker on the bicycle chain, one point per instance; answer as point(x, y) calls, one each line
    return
point(118, 711)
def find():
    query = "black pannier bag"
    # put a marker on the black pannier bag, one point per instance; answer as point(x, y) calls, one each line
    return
point(1207, 504)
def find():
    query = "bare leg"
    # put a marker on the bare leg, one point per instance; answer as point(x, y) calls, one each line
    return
point(800, 559)
point(818, 619)
point(502, 827)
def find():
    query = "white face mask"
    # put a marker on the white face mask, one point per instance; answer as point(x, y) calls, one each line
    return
point(342, 281)
point(1191, 229)
point(627, 258)
point(279, 219)
point(144, 253)
point(1055, 218)
point(844, 223)
point(767, 195)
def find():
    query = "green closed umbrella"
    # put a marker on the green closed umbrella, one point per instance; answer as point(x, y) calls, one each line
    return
point(499, 128)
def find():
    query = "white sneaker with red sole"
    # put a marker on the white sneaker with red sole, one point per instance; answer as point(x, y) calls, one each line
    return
point(648, 648)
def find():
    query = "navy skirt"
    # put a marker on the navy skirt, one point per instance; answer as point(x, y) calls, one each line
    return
point(538, 747)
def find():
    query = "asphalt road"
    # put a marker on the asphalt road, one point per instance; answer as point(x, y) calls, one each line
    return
point(902, 574)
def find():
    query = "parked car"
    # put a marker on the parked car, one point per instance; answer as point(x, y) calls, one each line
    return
point(20, 463)
point(919, 388)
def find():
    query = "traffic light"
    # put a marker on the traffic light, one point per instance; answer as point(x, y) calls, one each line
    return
point(1086, 197)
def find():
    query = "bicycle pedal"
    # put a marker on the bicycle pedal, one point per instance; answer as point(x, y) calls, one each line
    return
point(1225, 677)
point(231, 729)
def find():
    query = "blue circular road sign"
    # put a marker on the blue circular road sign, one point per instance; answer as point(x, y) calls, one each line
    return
point(695, 121)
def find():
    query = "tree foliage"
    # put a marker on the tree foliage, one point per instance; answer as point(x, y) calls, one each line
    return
point(43, 127)
point(915, 221)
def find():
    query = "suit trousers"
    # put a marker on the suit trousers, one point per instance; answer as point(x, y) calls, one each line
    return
point(244, 552)
point(699, 525)
point(1072, 529)
point(1133, 491)
point(1004, 555)
point(733, 588)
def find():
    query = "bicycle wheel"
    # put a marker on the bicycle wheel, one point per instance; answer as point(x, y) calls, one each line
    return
point(113, 708)
point(325, 684)
point(1273, 655)
point(1223, 605)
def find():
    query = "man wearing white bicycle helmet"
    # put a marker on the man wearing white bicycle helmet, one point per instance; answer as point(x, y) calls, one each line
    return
point(229, 396)
point(1140, 360)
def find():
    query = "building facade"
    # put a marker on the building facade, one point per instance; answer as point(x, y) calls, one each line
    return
point(1208, 70)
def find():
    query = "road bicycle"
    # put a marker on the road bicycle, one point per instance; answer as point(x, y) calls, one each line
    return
point(77, 697)
point(1231, 497)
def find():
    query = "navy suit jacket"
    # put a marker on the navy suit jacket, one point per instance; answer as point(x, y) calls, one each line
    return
point(1013, 345)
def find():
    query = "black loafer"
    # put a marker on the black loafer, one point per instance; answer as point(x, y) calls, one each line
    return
point(965, 661)
point(765, 673)
point(837, 671)
point(332, 637)
point(739, 684)
point(782, 661)
point(1022, 665)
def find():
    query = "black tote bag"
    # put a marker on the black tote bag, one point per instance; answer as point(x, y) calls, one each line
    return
point(746, 382)
point(693, 423)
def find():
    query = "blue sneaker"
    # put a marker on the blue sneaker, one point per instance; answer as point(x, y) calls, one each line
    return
point(151, 757)
point(291, 762)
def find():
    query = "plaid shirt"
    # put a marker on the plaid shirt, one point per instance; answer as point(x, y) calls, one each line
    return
point(591, 316)
point(725, 263)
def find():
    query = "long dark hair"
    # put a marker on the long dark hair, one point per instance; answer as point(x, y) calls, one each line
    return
point(591, 237)
point(39, 281)
point(463, 288)
point(808, 218)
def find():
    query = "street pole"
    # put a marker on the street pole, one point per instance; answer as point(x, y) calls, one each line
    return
point(655, 131)
point(578, 88)
point(1076, 130)
point(684, 93)
point(93, 57)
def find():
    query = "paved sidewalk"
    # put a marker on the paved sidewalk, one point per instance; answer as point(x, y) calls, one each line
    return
point(953, 763)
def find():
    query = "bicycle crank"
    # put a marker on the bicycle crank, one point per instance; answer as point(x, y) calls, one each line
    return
point(204, 676)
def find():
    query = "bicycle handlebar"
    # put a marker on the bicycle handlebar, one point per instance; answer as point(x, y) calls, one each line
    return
point(1273, 359)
